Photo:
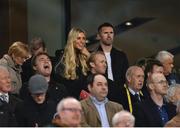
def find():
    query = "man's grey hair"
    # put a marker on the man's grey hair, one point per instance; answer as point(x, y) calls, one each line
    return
point(62, 103)
point(118, 117)
point(163, 56)
point(171, 91)
point(130, 71)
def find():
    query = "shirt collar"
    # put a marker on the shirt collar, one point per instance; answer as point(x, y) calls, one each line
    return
point(4, 94)
point(132, 91)
point(98, 102)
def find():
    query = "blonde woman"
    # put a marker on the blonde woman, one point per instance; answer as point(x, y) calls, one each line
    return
point(72, 68)
point(17, 54)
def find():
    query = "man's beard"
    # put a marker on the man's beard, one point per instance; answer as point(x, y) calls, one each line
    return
point(107, 43)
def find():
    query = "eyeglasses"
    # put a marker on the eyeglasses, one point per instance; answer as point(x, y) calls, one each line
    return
point(73, 110)
point(164, 82)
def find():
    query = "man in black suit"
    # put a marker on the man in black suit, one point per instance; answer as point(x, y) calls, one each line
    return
point(154, 112)
point(131, 92)
point(7, 101)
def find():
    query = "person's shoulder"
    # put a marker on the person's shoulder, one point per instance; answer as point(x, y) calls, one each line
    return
point(171, 106)
point(85, 101)
point(118, 51)
point(55, 83)
point(4, 60)
point(16, 98)
point(51, 104)
point(115, 104)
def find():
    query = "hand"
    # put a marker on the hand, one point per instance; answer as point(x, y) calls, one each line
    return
point(85, 52)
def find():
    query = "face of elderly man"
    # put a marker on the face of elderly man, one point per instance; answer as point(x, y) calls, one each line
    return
point(71, 113)
point(5, 81)
point(125, 122)
point(136, 79)
point(168, 65)
point(123, 119)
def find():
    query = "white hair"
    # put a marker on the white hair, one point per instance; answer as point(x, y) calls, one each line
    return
point(163, 56)
point(64, 101)
point(131, 70)
point(118, 117)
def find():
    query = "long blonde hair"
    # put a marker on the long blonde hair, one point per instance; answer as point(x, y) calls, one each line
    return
point(71, 58)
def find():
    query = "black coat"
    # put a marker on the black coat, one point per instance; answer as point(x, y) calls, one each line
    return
point(147, 115)
point(7, 116)
point(73, 87)
point(31, 114)
point(56, 91)
point(119, 64)
point(123, 98)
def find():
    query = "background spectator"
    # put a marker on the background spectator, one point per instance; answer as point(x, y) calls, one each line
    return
point(123, 119)
point(175, 121)
point(68, 113)
point(18, 53)
point(37, 111)
point(173, 94)
point(8, 102)
point(167, 60)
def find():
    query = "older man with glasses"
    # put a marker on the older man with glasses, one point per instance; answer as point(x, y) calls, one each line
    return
point(154, 112)
point(68, 113)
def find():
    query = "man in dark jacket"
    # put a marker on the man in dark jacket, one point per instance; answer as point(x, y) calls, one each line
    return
point(116, 60)
point(154, 112)
point(37, 110)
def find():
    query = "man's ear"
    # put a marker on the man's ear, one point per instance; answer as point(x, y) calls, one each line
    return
point(151, 86)
point(34, 68)
point(128, 78)
point(89, 87)
point(98, 37)
point(92, 64)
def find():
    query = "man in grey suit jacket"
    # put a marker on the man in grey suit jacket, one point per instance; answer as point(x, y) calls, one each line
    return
point(98, 110)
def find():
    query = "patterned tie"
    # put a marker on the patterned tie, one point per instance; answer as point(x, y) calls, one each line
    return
point(137, 97)
point(3, 97)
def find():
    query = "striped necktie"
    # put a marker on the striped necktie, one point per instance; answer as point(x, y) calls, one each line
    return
point(137, 97)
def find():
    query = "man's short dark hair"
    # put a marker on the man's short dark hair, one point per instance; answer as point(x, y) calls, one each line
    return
point(33, 61)
point(106, 24)
point(150, 64)
point(90, 78)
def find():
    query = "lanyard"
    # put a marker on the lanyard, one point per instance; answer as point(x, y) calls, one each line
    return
point(129, 98)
